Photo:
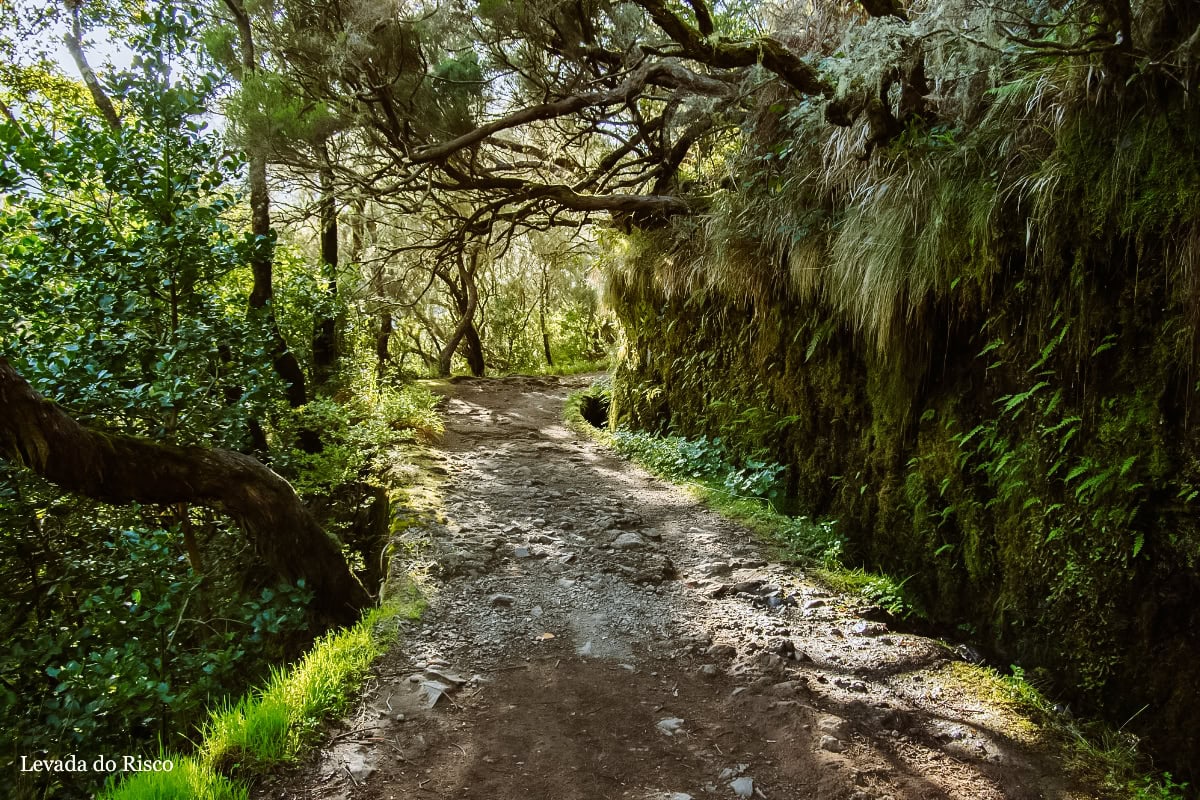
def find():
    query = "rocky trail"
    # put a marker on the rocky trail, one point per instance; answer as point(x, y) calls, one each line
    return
point(596, 634)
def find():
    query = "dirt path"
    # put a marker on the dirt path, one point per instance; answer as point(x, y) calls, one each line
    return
point(596, 634)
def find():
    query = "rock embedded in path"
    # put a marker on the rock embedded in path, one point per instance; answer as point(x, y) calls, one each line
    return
point(501, 600)
point(784, 648)
point(357, 766)
point(433, 691)
point(832, 744)
point(714, 569)
point(669, 726)
point(836, 727)
point(769, 662)
point(445, 676)
point(787, 688)
point(722, 650)
point(742, 787)
point(654, 570)
point(869, 629)
point(628, 541)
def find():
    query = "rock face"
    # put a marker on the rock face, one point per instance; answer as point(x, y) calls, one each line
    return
point(918, 438)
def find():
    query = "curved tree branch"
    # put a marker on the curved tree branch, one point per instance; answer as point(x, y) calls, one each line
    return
point(121, 469)
point(661, 73)
point(716, 52)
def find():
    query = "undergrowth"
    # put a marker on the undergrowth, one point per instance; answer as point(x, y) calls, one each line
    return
point(271, 726)
point(357, 432)
point(580, 366)
point(1095, 751)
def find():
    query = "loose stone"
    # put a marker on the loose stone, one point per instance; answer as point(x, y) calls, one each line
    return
point(742, 787)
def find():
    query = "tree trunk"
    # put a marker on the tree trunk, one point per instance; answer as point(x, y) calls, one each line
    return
point(262, 260)
point(74, 43)
point(287, 366)
point(544, 291)
point(122, 469)
point(383, 340)
point(467, 300)
point(361, 230)
point(325, 340)
point(474, 348)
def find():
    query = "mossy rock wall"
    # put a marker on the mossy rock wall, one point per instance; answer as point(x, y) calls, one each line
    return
point(1030, 467)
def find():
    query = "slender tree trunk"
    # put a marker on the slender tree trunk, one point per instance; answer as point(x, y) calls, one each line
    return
point(120, 469)
point(362, 233)
point(471, 339)
point(287, 366)
point(325, 339)
point(467, 299)
point(74, 43)
point(262, 293)
point(542, 298)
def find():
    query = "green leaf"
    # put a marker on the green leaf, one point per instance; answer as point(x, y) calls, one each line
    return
point(992, 345)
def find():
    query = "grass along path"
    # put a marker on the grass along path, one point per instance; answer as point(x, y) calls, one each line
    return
point(271, 727)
